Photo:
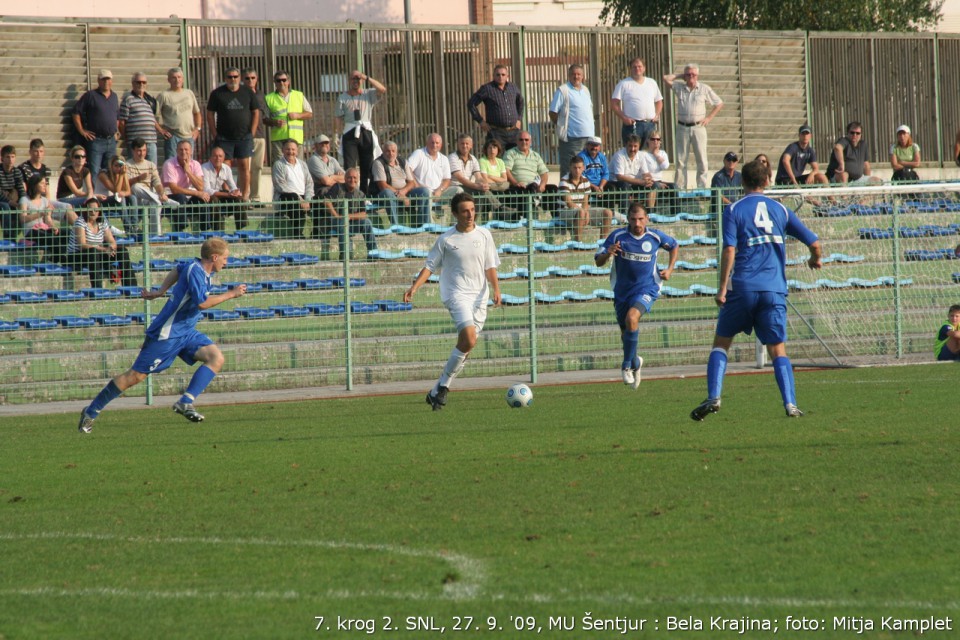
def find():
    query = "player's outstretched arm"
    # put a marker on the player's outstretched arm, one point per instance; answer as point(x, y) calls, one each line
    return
point(220, 298)
point(421, 278)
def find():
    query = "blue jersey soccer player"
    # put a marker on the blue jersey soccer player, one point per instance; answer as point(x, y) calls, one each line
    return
point(636, 280)
point(466, 259)
point(753, 284)
point(173, 333)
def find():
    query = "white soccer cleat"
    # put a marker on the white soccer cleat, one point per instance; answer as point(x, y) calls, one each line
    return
point(86, 422)
point(637, 374)
point(629, 378)
point(793, 411)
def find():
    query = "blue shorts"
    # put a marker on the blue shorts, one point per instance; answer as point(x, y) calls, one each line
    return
point(745, 311)
point(644, 302)
point(946, 354)
point(157, 355)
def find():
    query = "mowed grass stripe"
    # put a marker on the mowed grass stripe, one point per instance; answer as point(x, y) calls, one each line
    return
point(595, 499)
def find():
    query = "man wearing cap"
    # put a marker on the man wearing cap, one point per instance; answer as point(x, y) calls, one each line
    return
point(95, 117)
point(692, 120)
point(571, 112)
point(137, 119)
point(324, 168)
point(637, 101)
point(728, 180)
point(595, 166)
point(796, 158)
point(849, 163)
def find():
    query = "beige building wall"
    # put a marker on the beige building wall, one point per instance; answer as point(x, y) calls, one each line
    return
point(375, 11)
point(558, 13)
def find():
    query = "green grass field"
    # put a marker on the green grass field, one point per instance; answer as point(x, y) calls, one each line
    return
point(597, 501)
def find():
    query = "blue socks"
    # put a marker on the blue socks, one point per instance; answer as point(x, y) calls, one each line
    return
point(630, 341)
point(203, 376)
point(783, 371)
point(716, 368)
point(107, 395)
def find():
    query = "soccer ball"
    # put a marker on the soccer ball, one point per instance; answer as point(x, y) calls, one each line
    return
point(519, 396)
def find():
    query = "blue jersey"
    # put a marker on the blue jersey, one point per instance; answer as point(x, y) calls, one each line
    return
point(594, 169)
point(180, 314)
point(757, 227)
point(634, 272)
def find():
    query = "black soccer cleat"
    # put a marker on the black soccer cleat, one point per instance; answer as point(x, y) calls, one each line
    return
point(705, 408)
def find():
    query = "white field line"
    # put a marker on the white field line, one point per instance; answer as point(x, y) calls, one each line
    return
point(468, 588)
point(470, 570)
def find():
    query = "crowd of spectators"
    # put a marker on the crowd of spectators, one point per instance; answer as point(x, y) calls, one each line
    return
point(505, 174)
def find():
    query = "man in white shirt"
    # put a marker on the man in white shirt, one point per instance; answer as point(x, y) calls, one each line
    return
point(627, 169)
point(466, 259)
point(465, 173)
point(146, 187)
point(225, 197)
point(431, 169)
point(637, 101)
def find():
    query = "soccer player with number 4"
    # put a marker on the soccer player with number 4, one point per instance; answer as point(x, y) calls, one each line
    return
point(753, 284)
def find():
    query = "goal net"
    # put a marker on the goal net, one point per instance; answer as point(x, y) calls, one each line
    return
point(889, 272)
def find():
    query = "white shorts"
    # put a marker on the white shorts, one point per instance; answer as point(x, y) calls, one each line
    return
point(467, 311)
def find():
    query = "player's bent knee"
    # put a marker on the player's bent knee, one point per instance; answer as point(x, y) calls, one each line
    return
point(211, 356)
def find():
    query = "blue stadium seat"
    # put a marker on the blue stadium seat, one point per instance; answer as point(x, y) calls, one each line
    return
point(34, 324)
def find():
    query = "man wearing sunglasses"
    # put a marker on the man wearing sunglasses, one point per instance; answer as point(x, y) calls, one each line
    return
point(250, 78)
point(137, 119)
point(233, 118)
point(849, 163)
point(288, 110)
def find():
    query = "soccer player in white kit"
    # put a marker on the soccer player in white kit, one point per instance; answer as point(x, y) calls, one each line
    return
point(466, 259)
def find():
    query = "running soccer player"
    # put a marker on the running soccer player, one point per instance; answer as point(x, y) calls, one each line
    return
point(173, 333)
point(636, 280)
point(753, 284)
point(466, 258)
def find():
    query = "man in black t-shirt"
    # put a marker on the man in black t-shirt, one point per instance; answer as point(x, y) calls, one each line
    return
point(233, 117)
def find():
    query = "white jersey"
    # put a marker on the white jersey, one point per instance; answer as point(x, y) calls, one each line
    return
point(462, 260)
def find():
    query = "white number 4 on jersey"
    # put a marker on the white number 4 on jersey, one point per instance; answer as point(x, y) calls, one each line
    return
point(761, 219)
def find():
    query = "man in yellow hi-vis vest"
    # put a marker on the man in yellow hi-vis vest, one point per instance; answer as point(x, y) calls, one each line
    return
point(288, 110)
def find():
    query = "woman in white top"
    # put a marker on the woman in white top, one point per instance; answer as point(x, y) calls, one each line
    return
point(293, 187)
point(654, 161)
point(41, 219)
point(93, 246)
